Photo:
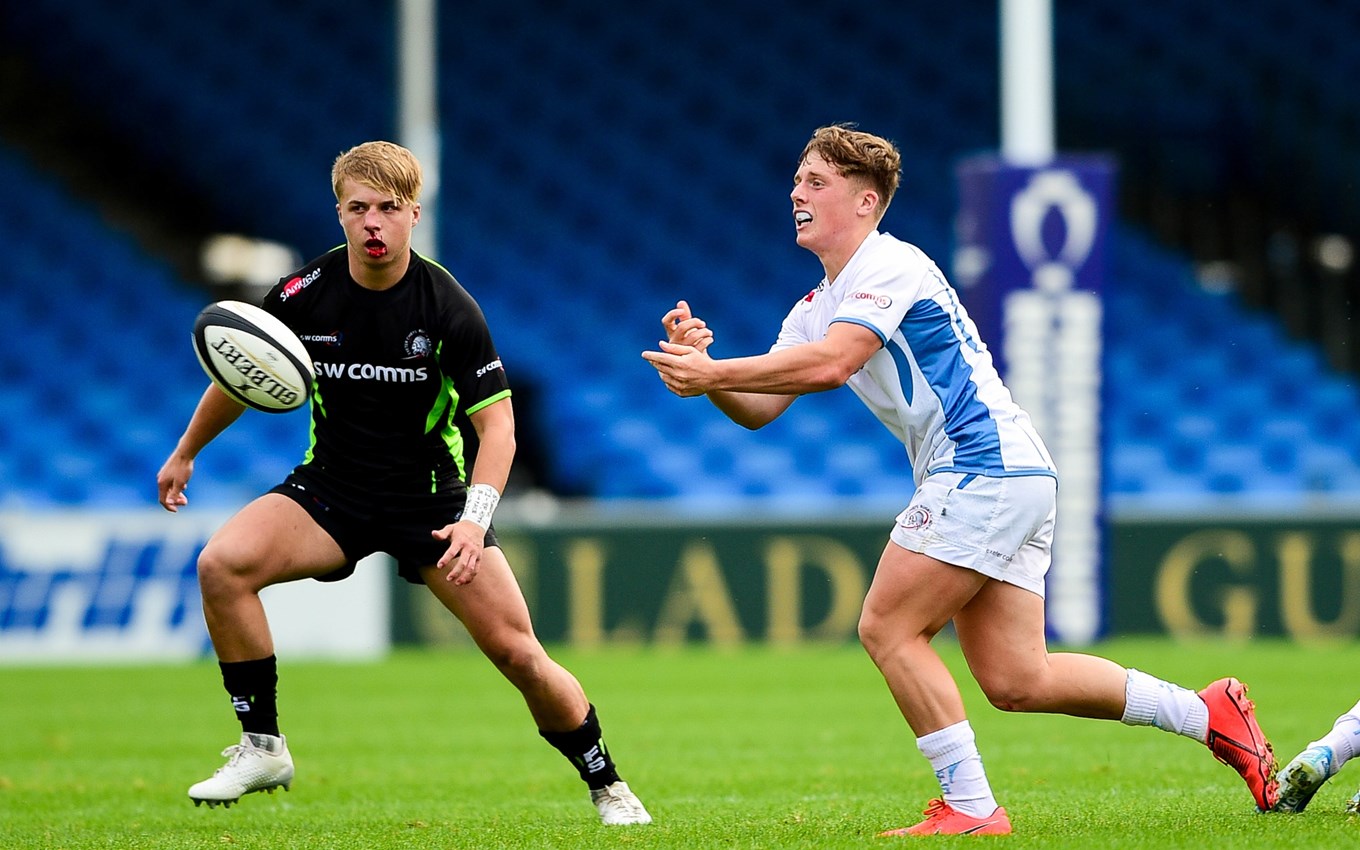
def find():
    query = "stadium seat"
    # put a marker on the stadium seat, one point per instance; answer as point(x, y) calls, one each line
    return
point(686, 175)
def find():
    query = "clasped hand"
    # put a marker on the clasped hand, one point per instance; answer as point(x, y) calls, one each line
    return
point(682, 361)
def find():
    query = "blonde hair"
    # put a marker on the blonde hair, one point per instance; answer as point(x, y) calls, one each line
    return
point(858, 155)
point(384, 166)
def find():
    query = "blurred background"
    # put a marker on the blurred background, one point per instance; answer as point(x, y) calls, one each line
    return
point(600, 161)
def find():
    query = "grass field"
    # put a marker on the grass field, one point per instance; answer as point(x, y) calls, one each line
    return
point(751, 748)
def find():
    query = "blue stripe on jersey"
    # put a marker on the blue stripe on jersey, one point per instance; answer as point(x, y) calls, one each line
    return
point(903, 367)
point(929, 332)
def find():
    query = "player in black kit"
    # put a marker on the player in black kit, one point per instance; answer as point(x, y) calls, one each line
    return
point(399, 348)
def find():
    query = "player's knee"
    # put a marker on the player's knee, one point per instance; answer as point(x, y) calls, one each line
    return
point(221, 570)
point(1008, 693)
point(1006, 702)
point(870, 633)
point(518, 660)
point(881, 637)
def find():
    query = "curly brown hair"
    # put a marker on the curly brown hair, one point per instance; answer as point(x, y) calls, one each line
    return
point(858, 155)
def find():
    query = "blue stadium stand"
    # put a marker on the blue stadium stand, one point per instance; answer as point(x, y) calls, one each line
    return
point(579, 203)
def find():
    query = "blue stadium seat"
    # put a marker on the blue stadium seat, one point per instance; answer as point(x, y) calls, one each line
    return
point(684, 177)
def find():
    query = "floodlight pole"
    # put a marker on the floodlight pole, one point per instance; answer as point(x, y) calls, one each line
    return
point(418, 109)
point(1027, 136)
point(1033, 230)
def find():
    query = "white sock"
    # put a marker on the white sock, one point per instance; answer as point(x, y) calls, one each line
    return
point(952, 753)
point(1344, 738)
point(1149, 701)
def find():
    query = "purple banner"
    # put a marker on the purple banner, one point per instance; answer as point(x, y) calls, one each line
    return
point(1030, 268)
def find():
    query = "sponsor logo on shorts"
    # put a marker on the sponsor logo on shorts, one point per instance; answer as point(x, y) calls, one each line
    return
point(999, 556)
point(916, 517)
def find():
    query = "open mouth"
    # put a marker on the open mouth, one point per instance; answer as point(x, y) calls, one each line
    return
point(802, 217)
point(375, 247)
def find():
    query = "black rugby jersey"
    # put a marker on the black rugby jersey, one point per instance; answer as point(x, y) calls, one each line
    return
point(392, 370)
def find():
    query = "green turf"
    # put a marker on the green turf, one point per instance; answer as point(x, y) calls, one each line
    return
point(749, 748)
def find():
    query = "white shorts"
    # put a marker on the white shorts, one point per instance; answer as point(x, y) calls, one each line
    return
point(1000, 527)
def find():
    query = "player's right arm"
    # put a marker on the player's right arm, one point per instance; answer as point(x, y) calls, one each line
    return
point(215, 412)
point(749, 410)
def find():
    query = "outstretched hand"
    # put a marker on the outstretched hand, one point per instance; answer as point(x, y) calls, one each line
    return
point(685, 370)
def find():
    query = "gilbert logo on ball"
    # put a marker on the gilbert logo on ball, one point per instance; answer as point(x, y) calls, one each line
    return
point(252, 356)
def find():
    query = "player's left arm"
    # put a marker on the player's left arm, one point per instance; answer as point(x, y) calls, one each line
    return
point(807, 368)
point(495, 427)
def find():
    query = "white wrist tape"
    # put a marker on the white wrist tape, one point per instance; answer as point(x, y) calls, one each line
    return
point(482, 500)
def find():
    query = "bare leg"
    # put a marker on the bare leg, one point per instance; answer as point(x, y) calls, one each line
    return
point(493, 610)
point(912, 597)
point(910, 600)
point(1001, 632)
point(271, 540)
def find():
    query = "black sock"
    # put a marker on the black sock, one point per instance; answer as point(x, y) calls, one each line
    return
point(253, 689)
point(584, 748)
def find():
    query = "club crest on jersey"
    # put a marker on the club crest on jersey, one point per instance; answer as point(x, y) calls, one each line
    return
point(418, 344)
point(914, 517)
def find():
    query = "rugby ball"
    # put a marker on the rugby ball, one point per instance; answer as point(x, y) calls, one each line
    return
point(252, 356)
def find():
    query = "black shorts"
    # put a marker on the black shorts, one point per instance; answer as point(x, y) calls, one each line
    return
point(362, 521)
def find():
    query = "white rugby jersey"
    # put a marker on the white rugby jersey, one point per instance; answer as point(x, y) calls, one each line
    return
point(933, 383)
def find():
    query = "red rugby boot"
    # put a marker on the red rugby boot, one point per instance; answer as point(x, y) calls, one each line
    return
point(1236, 739)
point(944, 819)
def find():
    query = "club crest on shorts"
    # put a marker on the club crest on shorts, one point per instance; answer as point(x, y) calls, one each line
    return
point(914, 517)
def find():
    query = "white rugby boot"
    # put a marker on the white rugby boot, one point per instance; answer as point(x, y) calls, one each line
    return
point(1302, 778)
point(618, 805)
point(258, 763)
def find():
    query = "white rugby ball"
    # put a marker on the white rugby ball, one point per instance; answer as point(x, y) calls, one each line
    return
point(252, 356)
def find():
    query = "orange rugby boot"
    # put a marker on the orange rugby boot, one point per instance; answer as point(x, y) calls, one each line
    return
point(1236, 739)
point(944, 819)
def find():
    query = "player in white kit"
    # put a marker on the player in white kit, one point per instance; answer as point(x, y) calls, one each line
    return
point(1322, 759)
point(974, 542)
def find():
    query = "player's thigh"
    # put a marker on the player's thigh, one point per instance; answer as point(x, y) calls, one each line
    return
point(491, 606)
point(914, 594)
point(270, 540)
point(1001, 634)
